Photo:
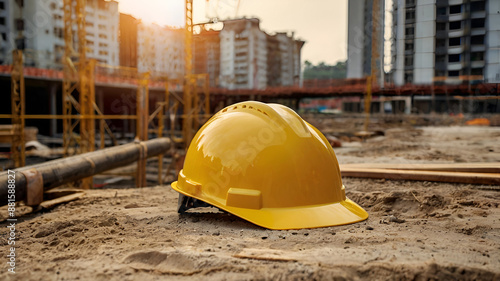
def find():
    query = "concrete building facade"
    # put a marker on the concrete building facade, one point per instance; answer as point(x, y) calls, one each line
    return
point(283, 60)
point(207, 55)
point(359, 39)
point(447, 41)
point(253, 59)
point(160, 50)
point(6, 30)
point(128, 40)
point(243, 62)
point(37, 27)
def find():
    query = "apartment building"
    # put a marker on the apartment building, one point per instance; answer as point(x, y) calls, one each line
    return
point(448, 41)
point(6, 23)
point(160, 50)
point(360, 37)
point(252, 59)
point(283, 60)
point(243, 62)
point(128, 40)
point(207, 55)
point(37, 27)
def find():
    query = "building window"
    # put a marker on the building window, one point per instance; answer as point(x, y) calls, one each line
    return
point(410, 15)
point(477, 56)
point(440, 43)
point(102, 26)
point(454, 41)
point(476, 71)
point(455, 9)
point(455, 25)
point(453, 73)
point(477, 6)
point(441, 11)
point(103, 45)
point(440, 58)
point(410, 2)
point(58, 32)
point(4, 36)
point(453, 58)
point(2, 6)
point(409, 31)
point(408, 46)
point(477, 23)
point(440, 73)
point(408, 61)
point(2, 21)
point(53, 6)
point(105, 53)
point(19, 24)
point(477, 40)
point(103, 36)
point(440, 26)
point(408, 77)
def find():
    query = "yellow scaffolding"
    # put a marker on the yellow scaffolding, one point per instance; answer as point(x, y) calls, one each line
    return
point(18, 109)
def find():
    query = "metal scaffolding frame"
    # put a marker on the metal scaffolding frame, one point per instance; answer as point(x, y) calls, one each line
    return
point(18, 100)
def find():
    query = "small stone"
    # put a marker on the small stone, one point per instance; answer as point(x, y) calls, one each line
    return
point(396, 220)
point(369, 228)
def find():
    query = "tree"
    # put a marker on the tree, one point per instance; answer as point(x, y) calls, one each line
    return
point(325, 71)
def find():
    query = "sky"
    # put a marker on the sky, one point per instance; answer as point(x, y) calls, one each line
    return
point(321, 23)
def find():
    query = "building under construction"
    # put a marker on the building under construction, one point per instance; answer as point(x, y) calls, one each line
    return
point(140, 152)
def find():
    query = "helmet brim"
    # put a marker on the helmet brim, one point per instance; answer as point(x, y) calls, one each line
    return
point(344, 212)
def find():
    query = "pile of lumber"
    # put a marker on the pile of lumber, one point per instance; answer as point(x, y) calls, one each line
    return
point(471, 173)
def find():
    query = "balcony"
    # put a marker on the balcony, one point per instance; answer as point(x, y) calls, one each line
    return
point(477, 48)
point(442, 34)
point(456, 33)
point(457, 17)
point(477, 64)
point(456, 50)
point(478, 31)
point(478, 15)
point(455, 66)
point(442, 18)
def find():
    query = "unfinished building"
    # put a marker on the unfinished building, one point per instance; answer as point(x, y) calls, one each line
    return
point(160, 50)
point(243, 61)
point(447, 41)
point(360, 39)
point(207, 55)
point(37, 27)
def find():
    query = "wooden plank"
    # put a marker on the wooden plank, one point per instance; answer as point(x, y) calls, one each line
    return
point(439, 176)
point(266, 254)
point(451, 167)
point(65, 199)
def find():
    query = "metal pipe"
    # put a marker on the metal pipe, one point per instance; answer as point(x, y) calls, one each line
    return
point(57, 172)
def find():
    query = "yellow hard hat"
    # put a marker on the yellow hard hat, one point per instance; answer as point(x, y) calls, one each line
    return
point(265, 164)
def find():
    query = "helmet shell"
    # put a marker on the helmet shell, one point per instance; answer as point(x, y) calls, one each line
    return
point(265, 164)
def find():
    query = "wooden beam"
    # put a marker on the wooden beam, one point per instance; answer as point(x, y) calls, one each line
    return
point(449, 167)
point(439, 176)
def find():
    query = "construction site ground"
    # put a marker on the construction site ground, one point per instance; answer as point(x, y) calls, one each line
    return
point(416, 230)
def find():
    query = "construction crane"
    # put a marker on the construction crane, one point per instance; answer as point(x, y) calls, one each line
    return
point(375, 56)
point(78, 78)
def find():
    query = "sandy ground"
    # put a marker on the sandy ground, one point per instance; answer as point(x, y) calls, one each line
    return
point(416, 230)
